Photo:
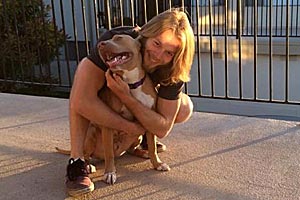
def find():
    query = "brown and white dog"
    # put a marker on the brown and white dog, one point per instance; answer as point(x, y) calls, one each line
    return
point(122, 56)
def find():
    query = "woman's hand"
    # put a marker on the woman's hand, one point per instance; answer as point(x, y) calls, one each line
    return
point(117, 85)
point(136, 129)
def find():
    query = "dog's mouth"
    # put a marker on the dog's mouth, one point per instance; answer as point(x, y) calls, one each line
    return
point(115, 59)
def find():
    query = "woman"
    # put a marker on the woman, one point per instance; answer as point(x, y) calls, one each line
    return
point(167, 48)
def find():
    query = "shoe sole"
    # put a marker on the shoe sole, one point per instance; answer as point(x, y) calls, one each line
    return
point(76, 193)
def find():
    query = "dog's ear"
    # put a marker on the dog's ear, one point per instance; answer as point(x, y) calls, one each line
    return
point(138, 40)
point(137, 28)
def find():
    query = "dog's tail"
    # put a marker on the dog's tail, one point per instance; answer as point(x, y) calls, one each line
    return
point(63, 151)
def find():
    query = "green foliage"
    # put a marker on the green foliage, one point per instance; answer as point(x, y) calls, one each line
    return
point(28, 37)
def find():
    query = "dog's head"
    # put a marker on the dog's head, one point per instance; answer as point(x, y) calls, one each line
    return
point(122, 52)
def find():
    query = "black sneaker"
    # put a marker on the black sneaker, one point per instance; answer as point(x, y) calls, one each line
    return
point(77, 179)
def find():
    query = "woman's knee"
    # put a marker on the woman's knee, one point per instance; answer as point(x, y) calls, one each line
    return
point(185, 110)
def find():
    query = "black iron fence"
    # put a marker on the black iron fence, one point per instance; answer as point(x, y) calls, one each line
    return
point(246, 50)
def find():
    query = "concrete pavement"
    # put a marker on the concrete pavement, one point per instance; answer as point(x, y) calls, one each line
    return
point(212, 156)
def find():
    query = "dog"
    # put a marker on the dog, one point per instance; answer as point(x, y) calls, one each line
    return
point(122, 56)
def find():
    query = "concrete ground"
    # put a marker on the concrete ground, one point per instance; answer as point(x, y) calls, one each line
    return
point(212, 156)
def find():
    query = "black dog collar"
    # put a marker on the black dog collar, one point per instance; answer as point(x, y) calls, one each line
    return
point(137, 84)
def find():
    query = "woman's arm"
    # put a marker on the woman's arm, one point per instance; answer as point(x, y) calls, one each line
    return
point(89, 79)
point(159, 122)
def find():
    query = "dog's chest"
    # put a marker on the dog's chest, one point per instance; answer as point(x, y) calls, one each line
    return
point(138, 93)
point(144, 98)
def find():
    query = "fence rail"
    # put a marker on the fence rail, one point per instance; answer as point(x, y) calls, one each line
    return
point(247, 50)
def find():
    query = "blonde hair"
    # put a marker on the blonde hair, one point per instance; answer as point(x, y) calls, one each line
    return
point(176, 20)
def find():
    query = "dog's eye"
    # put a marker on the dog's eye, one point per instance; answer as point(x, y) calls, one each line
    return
point(117, 37)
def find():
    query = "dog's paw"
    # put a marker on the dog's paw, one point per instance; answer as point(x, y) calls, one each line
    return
point(163, 167)
point(110, 178)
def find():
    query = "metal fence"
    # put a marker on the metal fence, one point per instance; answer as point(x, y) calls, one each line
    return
point(243, 47)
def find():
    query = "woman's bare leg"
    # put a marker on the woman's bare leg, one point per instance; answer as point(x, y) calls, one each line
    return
point(78, 130)
point(185, 110)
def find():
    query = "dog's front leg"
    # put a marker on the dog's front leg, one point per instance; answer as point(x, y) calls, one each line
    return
point(110, 176)
point(152, 150)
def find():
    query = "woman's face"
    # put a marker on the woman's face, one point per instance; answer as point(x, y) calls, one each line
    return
point(160, 50)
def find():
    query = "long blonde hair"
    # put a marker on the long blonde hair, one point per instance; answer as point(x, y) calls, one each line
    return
point(176, 20)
